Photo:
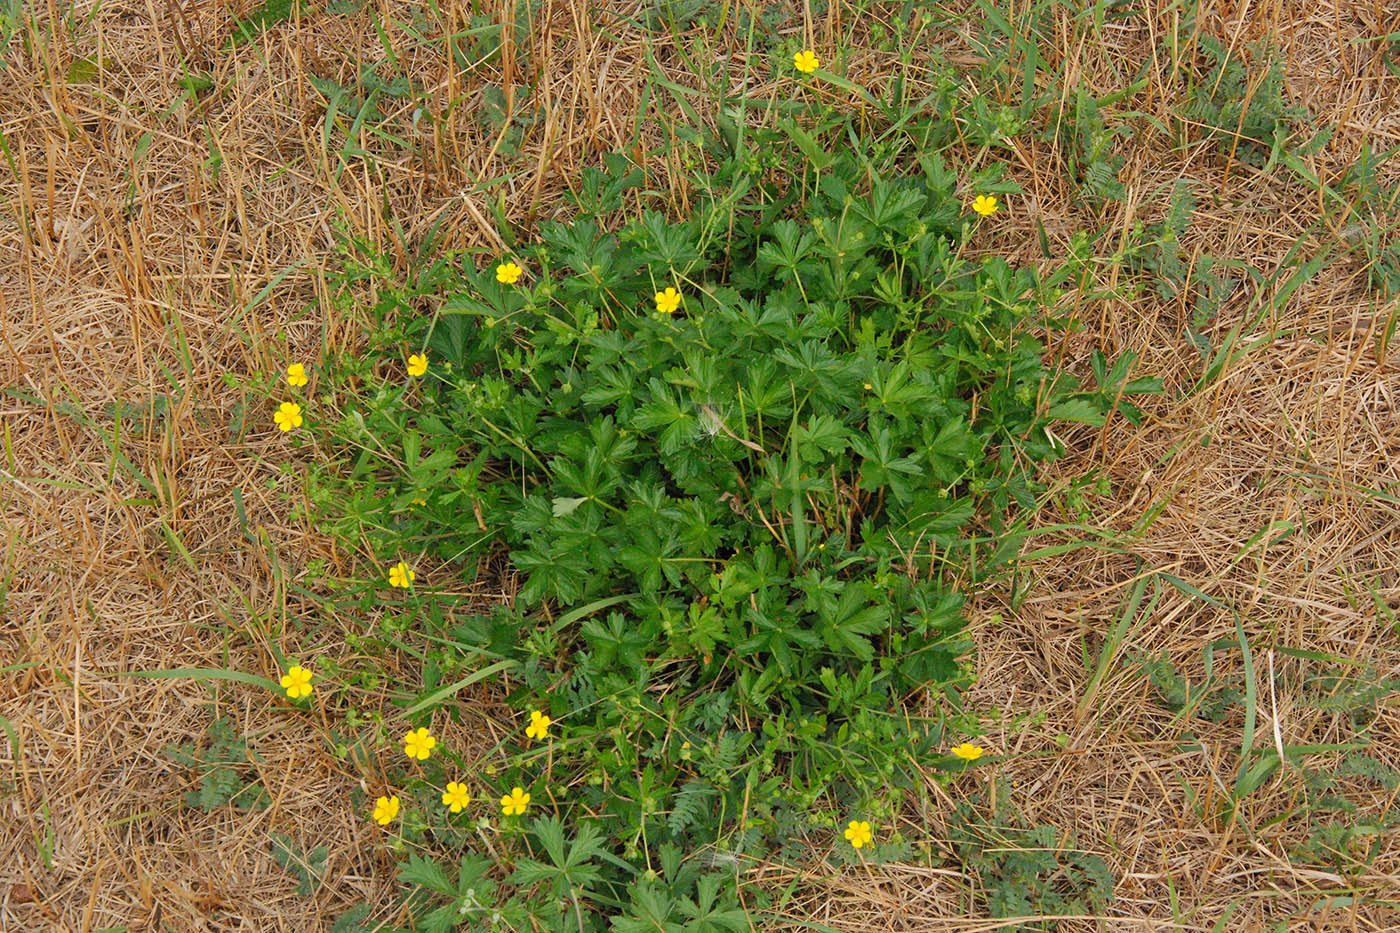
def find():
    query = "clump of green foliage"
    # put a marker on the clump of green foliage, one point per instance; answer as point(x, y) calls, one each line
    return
point(1208, 700)
point(308, 866)
point(1246, 109)
point(1343, 836)
point(224, 766)
point(741, 531)
point(1089, 145)
point(1028, 871)
point(1201, 283)
point(1374, 209)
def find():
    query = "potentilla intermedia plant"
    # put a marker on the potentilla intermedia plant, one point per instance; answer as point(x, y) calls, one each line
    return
point(736, 462)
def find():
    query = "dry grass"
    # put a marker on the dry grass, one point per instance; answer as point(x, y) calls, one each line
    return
point(116, 254)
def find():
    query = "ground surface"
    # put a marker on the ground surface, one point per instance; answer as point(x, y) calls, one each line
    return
point(129, 269)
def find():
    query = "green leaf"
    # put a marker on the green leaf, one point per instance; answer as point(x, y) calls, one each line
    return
point(1081, 410)
point(204, 673)
point(437, 696)
point(563, 505)
point(426, 873)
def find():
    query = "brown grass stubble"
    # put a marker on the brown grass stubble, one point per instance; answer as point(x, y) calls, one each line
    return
point(92, 295)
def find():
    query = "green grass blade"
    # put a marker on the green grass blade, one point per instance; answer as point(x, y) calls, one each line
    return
point(437, 696)
point(204, 673)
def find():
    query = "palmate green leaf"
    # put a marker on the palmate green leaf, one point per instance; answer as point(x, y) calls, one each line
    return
point(528, 871)
point(426, 873)
point(552, 572)
point(709, 913)
point(651, 559)
point(678, 423)
point(881, 467)
point(570, 868)
point(845, 624)
point(822, 437)
point(618, 641)
point(649, 912)
point(948, 451)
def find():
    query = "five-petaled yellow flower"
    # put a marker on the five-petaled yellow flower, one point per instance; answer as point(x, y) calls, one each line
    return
point(456, 796)
point(858, 834)
point(968, 752)
point(985, 204)
point(296, 375)
point(514, 803)
point(539, 725)
point(668, 301)
point(806, 61)
point(287, 416)
point(385, 809)
point(297, 682)
point(508, 273)
point(417, 364)
point(401, 575)
point(418, 744)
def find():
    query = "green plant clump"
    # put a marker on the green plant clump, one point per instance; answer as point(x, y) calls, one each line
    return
point(223, 765)
point(1247, 112)
point(742, 529)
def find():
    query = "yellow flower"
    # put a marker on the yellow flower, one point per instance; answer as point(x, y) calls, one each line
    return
point(418, 744)
point(456, 797)
point(296, 375)
point(401, 575)
point(858, 834)
point(968, 752)
point(508, 273)
point(514, 803)
point(419, 502)
point(385, 809)
point(805, 61)
point(539, 725)
point(417, 364)
point(297, 682)
point(287, 416)
point(985, 204)
point(668, 301)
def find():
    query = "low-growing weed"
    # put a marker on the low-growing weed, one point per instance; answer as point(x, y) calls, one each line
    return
point(1244, 108)
point(308, 867)
point(735, 466)
point(223, 766)
point(1028, 871)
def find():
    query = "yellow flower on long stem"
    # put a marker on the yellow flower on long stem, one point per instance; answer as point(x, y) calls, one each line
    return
point(297, 682)
point(858, 834)
point(508, 273)
point(985, 204)
point(296, 375)
point(418, 744)
point(401, 575)
point(417, 364)
point(514, 803)
point(287, 416)
point(806, 61)
point(539, 725)
point(968, 752)
point(385, 809)
point(456, 797)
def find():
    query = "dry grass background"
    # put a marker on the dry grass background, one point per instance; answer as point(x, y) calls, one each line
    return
point(116, 254)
